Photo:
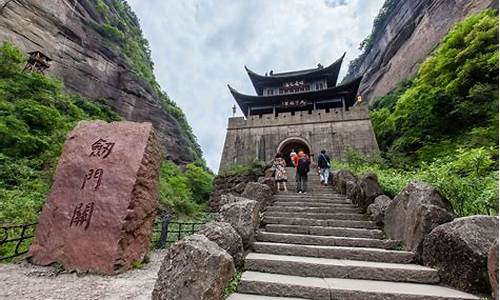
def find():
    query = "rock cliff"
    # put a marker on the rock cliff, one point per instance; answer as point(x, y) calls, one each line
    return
point(405, 37)
point(94, 63)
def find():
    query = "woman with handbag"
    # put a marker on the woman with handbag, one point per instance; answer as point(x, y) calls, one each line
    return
point(280, 175)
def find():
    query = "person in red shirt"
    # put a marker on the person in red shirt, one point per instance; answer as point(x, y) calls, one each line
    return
point(295, 159)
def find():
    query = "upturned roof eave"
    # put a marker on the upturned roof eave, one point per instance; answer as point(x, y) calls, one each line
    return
point(331, 71)
point(348, 89)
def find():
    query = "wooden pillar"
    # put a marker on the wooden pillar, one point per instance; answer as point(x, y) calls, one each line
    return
point(314, 105)
point(343, 104)
point(274, 110)
point(249, 111)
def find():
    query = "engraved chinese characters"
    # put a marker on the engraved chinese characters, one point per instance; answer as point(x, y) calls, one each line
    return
point(95, 174)
point(101, 148)
point(100, 211)
point(82, 215)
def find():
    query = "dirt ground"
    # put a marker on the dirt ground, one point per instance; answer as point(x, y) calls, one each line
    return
point(26, 281)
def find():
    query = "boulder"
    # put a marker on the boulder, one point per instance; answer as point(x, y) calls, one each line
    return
point(340, 179)
point(354, 192)
point(493, 269)
point(417, 210)
point(224, 235)
point(240, 187)
point(244, 217)
point(100, 212)
point(258, 192)
point(371, 190)
point(269, 173)
point(269, 181)
point(377, 209)
point(215, 199)
point(459, 251)
point(194, 268)
point(229, 198)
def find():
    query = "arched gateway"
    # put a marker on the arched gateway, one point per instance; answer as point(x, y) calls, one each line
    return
point(300, 110)
point(293, 144)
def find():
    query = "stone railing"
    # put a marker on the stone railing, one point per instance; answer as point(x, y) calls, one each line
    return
point(423, 220)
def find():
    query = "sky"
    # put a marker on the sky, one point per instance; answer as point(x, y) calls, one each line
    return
point(200, 46)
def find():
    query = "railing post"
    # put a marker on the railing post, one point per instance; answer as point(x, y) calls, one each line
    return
point(21, 238)
point(164, 231)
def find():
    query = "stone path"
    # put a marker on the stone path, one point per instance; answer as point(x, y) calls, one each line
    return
point(319, 246)
point(26, 281)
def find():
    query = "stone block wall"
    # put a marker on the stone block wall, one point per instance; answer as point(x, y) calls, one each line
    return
point(259, 137)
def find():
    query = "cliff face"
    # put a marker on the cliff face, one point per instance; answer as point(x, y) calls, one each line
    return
point(406, 37)
point(89, 63)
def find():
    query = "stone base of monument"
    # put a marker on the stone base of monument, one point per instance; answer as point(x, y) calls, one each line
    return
point(100, 211)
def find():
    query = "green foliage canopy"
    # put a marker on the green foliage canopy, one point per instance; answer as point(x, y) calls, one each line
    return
point(35, 116)
point(442, 126)
point(451, 103)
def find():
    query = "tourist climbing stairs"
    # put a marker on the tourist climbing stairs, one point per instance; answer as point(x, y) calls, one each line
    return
point(320, 246)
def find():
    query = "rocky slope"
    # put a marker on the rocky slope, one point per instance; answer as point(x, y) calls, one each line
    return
point(405, 37)
point(93, 64)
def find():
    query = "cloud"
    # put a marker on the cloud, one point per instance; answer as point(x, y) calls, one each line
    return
point(199, 46)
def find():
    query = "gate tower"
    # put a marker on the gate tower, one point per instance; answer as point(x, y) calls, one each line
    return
point(300, 110)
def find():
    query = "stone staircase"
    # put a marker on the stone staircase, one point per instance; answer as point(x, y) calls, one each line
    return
point(319, 246)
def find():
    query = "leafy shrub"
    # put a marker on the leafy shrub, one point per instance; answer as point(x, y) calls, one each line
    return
point(111, 32)
point(200, 183)
point(255, 168)
point(468, 178)
point(187, 193)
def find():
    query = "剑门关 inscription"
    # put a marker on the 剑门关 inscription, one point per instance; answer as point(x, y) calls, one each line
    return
point(82, 215)
point(101, 148)
point(93, 174)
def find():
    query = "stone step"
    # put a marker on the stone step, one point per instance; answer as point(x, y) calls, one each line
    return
point(336, 252)
point(317, 209)
point(312, 203)
point(310, 195)
point(330, 192)
point(326, 231)
point(298, 203)
point(238, 296)
point(306, 239)
point(319, 216)
point(313, 200)
point(339, 288)
point(312, 188)
point(316, 222)
point(339, 268)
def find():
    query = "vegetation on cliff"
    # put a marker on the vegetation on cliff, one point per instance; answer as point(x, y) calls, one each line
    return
point(121, 29)
point(442, 126)
point(35, 117)
point(367, 44)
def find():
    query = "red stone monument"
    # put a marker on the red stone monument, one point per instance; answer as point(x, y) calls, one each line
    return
point(100, 211)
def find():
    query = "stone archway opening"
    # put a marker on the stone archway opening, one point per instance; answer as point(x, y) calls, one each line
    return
point(293, 144)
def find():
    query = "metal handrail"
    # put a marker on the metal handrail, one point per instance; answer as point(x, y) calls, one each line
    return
point(22, 234)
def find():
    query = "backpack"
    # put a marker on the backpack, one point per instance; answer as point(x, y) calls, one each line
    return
point(303, 167)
